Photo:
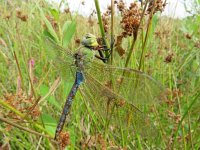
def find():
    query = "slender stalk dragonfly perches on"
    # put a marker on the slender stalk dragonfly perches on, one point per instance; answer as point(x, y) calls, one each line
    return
point(117, 95)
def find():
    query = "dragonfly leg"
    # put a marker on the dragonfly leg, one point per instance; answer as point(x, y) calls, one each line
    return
point(101, 58)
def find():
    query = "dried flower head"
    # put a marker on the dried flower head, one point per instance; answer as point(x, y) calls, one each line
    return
point(102, 142)
point(108, 84)
point(105, 18)
point(118, 46)
point(155, 5)
point(188, 36)
point(77, 41)
point(83, 3)
point(7, 16)
point(67, 10)
point(120, 5)
point(64, 139)
point(22, 103)
point(197, 44)
point(20, 15)
point(121, 103)
point(131, 20)
point(177, 93)
point(18, 12)
point(24, 17)
point(169, 57)
point(115, 2)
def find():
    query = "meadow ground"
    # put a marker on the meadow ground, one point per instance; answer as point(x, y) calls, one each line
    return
point(166, 86)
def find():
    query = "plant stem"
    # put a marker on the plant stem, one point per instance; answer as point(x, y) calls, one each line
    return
point(146, 36)
point(23, 128)
point(101, 28)
point(195, 99)
point(25, 61)
point(112, 29)
point(135, 37)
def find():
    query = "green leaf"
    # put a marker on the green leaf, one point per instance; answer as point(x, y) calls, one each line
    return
point(68, 30)
point(53, 102)
point(55, 14)
point(49, 123)
point(72, 136)
point(47, 34)
point(152, 28)
point(66, 25)
point(49, 26)
point(195, 27)
point(44, 90)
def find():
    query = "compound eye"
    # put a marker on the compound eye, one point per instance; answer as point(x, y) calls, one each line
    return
point(87, 36)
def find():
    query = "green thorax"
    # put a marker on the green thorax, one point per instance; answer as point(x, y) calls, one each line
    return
point(84, 57)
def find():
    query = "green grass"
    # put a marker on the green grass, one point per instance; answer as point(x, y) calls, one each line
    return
point(166, 49)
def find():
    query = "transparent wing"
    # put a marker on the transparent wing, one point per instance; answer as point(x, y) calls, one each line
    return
point(58, 49)
point(136, 87)
point(62, 59)
point(120, 110)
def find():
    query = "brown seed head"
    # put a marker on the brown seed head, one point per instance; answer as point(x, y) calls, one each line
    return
point(20, 15)
point(197, 44)
point(120, 6)
point(64, 139)
point(7, 16)
point(24, 17)
point(67, 10)
point(102, 142)
point(118, 46)
point(78, 41)
point(188, 36)
point(105, 18)
point(22, 103)
point(130, 20)
point(177, 93)
point(155, 6)
point(83, 3)
point(18, 12)
point(121, 103)
point(108, 84)
point(169, 57)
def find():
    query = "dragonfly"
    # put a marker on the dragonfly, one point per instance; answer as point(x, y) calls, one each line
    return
point(116, 95)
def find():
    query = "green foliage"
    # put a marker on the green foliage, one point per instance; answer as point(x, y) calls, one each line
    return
point(50, 123)
point(64, 36)
point(50, 30)
point(68, 31)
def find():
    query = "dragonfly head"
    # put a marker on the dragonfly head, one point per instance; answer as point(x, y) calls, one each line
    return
point(89, 40)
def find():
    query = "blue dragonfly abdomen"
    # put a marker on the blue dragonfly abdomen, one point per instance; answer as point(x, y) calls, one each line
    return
point(78, 80)
point(82, 57)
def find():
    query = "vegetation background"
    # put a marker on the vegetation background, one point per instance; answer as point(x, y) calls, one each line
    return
point(32, 94)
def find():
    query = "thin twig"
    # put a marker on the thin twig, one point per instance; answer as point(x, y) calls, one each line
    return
point(23, 128)
point(19, 69)
point(25, 61)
